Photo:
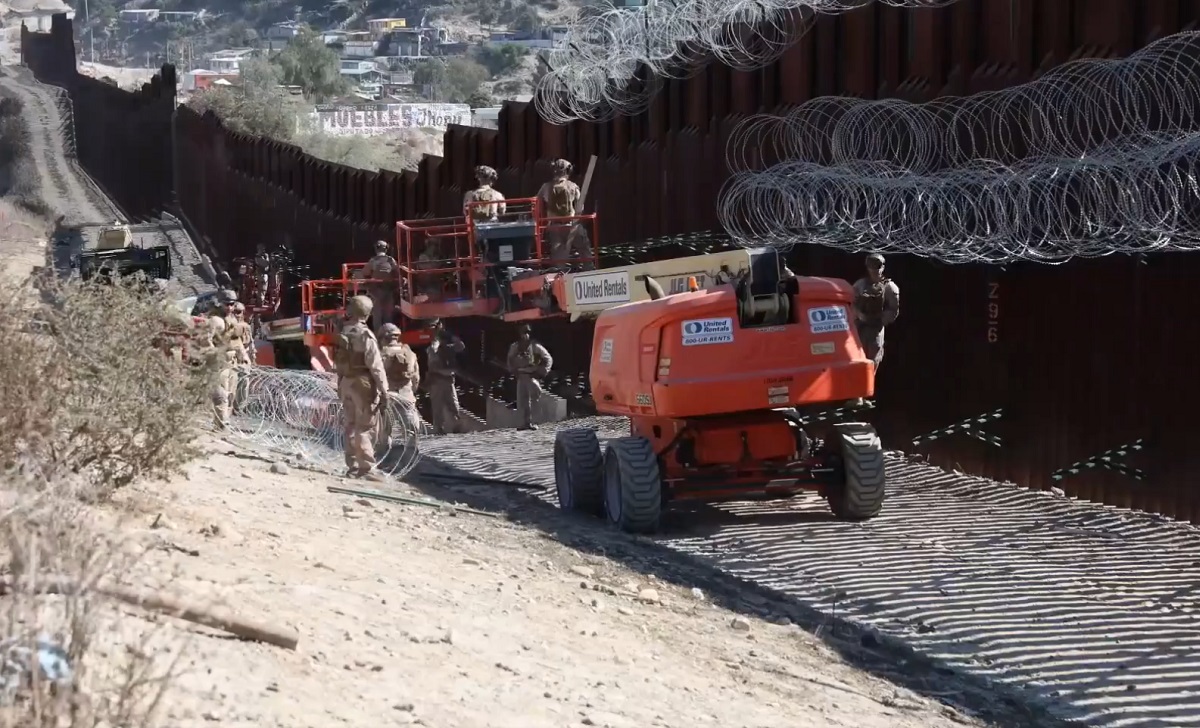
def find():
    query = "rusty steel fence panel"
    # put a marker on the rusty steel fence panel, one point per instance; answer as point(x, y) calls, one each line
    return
point(1079, 376)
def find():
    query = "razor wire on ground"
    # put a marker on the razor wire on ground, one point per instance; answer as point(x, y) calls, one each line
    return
point(297, 414)
point(615, 60)
point(1094, 158)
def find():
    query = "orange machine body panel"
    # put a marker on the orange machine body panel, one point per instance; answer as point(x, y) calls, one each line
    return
point(686, 355)
point(718, 401)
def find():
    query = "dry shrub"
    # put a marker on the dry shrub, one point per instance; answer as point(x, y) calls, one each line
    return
point(117, 679)
point(92, 402)
point(90, 397)
point(393, 152)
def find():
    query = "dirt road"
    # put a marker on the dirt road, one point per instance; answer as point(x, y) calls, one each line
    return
point(415, 616)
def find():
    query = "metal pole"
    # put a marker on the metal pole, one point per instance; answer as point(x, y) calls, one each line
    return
point(87, 19)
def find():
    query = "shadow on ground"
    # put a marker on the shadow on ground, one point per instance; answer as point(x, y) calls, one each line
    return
point(879, 655)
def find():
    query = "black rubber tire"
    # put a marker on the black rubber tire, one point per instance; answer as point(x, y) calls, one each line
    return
point(633, 496)
point(579, 472)
point(862, 494)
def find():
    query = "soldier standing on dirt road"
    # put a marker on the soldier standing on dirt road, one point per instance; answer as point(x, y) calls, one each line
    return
point(362, 386)
point(486, 177)
point(442, 363)
point(876, 306)
point(381, 270)
point(403, 375)
point(218, 350)
point(528, 361)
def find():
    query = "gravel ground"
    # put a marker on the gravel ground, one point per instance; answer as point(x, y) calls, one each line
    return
point(1083, 610)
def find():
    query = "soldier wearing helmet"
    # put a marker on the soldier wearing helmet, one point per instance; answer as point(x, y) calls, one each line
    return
point(222, 386)
point(382, 271)
point(561, 198)
point(486, 177)
point(403, 375)
point(262, 273)
point(362, 386)
point(442, 361)
point(876, 306)
point(528, 361)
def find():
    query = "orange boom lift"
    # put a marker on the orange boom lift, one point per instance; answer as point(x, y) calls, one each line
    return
point(719, 386)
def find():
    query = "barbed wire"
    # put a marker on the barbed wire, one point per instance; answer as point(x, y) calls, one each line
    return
point(615, 61)
point(298, 414)
point(1096, 157)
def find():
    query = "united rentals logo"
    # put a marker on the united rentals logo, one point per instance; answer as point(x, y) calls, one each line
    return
point(602, 288)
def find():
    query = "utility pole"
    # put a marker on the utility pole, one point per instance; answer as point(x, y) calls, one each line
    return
point(87, 20)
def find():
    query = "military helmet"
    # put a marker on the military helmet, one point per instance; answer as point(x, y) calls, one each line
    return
point(561, 167)
point(239, 307)
point(381, 246)
point(875, 260)
point(389, 331)
point(228, 296)
point(359, 307)
point(485, 174)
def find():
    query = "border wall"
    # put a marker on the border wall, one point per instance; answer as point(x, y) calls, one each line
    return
point(1085, 379)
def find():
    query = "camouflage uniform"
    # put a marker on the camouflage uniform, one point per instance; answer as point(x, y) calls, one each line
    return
point(528, 361)
point(403, 375)
point(262, 274)
point(218, 350)
point(239, 340)
point(362, 384)
point(560, 198)
point(443, 366)
point(876, 306)
point(486, 177)
point(383, 269)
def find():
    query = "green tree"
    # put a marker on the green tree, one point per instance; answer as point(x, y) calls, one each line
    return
point(308, 63)
point(463, 78)
point(256, 106)
point(524, 19)
point(481, 100)
point(499, 60)
point(429, 73)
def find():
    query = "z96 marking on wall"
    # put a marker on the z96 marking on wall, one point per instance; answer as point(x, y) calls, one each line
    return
point(993, 324)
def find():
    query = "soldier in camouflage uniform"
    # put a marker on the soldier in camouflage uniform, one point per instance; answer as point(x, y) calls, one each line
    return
point(561, 197)
point(528, 361)
point(403, 375)
point(486, 177)
point(382, 270)
point(442, 369)
point(362, 386)
point(876, 306)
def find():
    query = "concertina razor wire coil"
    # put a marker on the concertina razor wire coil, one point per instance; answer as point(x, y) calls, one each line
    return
point(1096, 157)
point(596, 76)
point(298, 414)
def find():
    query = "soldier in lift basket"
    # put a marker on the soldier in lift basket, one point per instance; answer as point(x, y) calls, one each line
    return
point(442, 356)
point(561, 197)
point(486, 177)
point(381, 270)
point(362, 387)
point(876, 306)
point(528, 361)
point(403, 375)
